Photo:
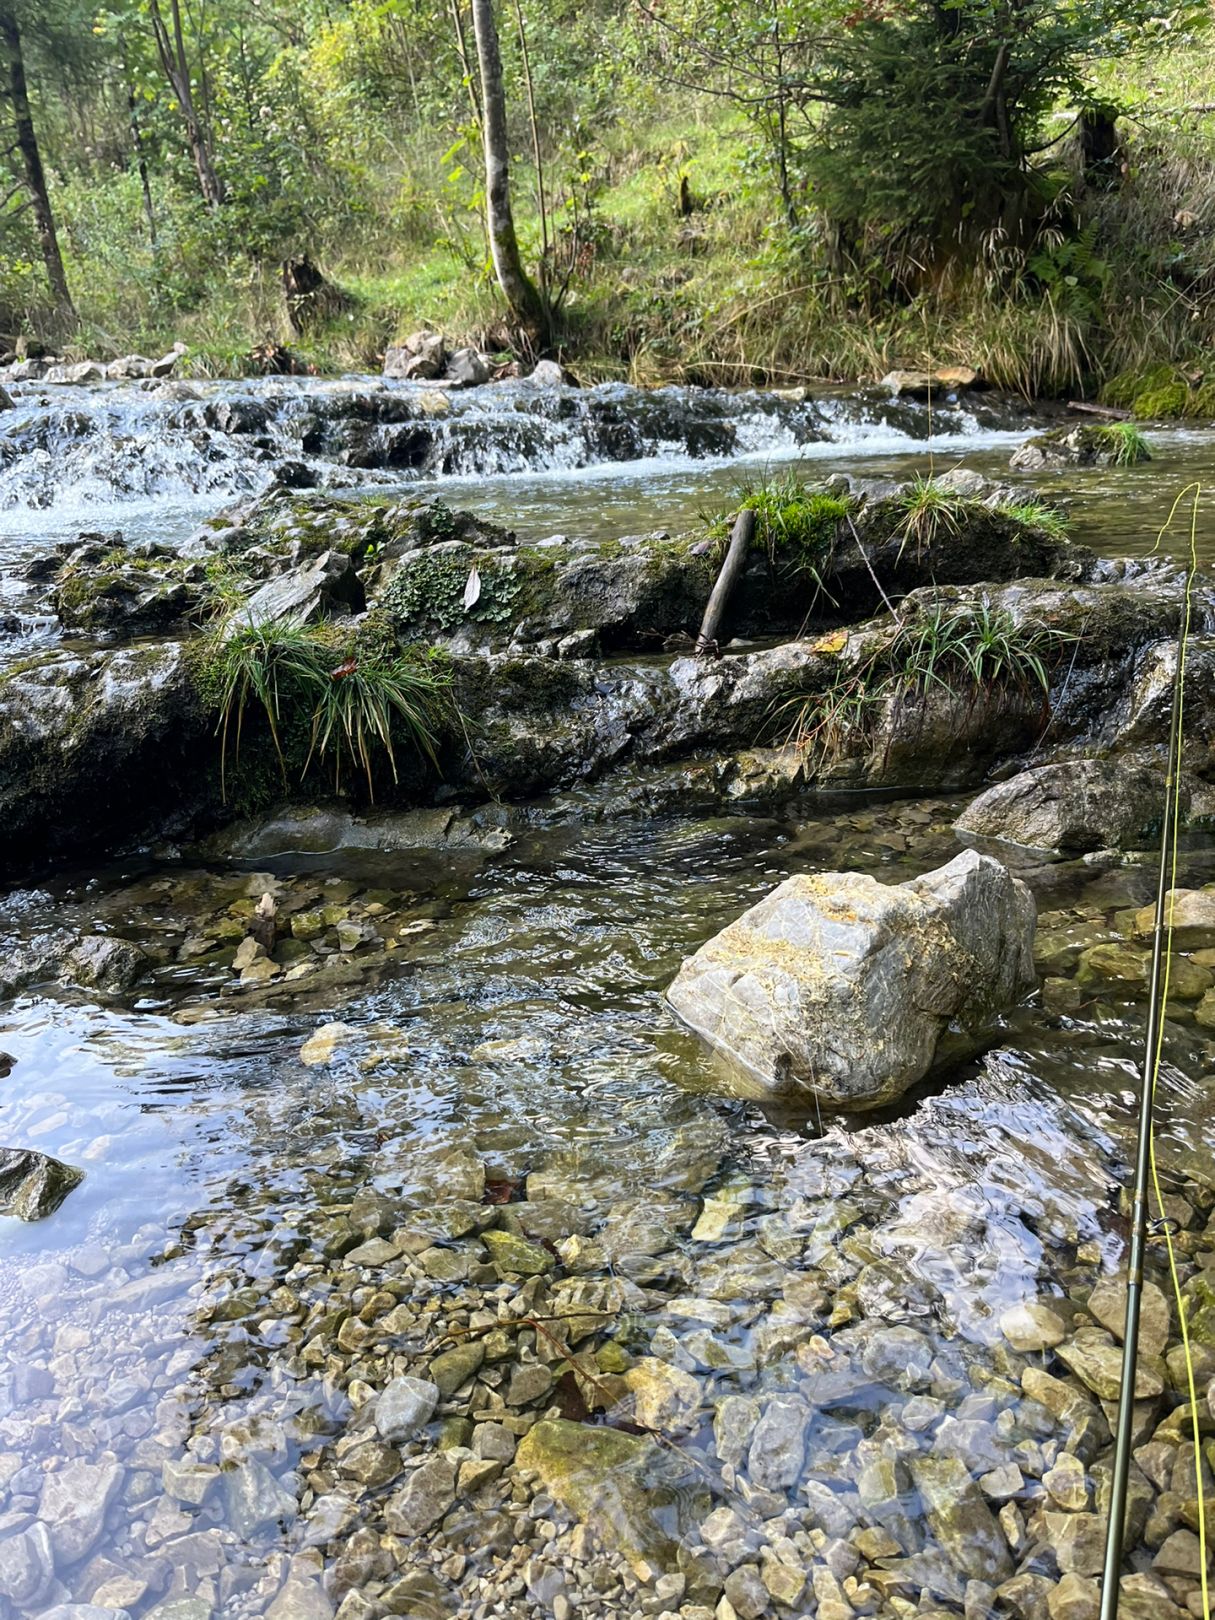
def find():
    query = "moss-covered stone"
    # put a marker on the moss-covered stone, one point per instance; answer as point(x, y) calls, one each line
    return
point(608, 1480)
point(1161, 392)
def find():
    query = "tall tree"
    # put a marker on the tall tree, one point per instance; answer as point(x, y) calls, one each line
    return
point(16, 93)
point(171, 49)
point(520, 292)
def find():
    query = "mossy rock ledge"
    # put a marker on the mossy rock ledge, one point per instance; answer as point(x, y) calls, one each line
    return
point(567, 661)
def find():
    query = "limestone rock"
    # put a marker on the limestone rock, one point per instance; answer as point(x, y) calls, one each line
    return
point(128, 367)
point(664, 1397)
point(423, 1499)
point(1097, 1362)
point(778, 1445)
point(326, 586)
point(1032, 1326)
point(939, 384)
point(839, 987)
point(546, 374)
point(73, 1506)
point(513, 1255)
point(1191, 912)
point(32, 1184)
point(105, 964)
point(606, 1479)
point(1074, 1598)
point(404, 1407)
point(1107, 1303)
point(254, 1498)
point(27, 1564)
point(961, 1520)
point(467, 368)
point(322, 1045)
point(420, 357)
point(1070, 808)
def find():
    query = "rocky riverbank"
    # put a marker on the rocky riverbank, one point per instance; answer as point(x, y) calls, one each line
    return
point(565, 660)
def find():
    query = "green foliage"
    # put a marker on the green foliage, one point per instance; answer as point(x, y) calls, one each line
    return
point(971, 654)
point(1036, 514)
point(353, 699)
point(797, 527)
point(928, 510)
point(856, 199)
point(1124, 444)
point(427, 593)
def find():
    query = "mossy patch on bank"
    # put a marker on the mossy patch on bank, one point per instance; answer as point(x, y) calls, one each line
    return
point(1162, 393)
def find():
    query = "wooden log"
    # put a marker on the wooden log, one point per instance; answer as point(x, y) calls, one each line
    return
point(1109, 411)
point(730, 573)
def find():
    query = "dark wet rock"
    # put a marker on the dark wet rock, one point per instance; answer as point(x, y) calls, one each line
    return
point(1143, 718)
point(985, 542)
point(33, 1185)
point(96, 747)
point(839, 988)
point(1071, 808)
point(104, 586)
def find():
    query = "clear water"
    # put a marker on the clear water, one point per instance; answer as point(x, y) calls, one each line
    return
point(523, 1025)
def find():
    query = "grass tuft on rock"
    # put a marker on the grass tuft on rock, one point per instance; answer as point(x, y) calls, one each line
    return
point(796, 526)
point(326, 694)
point(973, 654)
point(1124, 444)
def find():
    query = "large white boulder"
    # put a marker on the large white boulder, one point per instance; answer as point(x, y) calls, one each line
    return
point(839, 988)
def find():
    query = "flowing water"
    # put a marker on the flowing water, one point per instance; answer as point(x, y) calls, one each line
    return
point(186, 1343)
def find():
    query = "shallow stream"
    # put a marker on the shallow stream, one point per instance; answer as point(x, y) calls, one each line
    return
point(187, 1342)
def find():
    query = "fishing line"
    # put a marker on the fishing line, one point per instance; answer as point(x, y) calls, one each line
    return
point(1146, 1168)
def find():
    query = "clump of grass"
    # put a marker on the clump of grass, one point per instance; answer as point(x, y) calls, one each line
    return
point(797, 526)
point(928, 510)
point(355, 700)
point(1035, 514)
point(1124, 444)
point(975, 654)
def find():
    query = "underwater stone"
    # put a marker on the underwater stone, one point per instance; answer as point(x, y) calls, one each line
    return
point(403, 1407)
point(961, 1520)
point(839, 988)
point(32, 1184)
point(601, 1476)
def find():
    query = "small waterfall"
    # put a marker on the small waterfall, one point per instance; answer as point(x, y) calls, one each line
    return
point(70, 450)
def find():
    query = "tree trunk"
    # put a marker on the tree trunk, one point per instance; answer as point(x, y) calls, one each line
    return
point(35, 180)
point(173, 60)
point(525, 302)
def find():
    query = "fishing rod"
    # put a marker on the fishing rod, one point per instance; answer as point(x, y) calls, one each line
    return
point(1145, 1160)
